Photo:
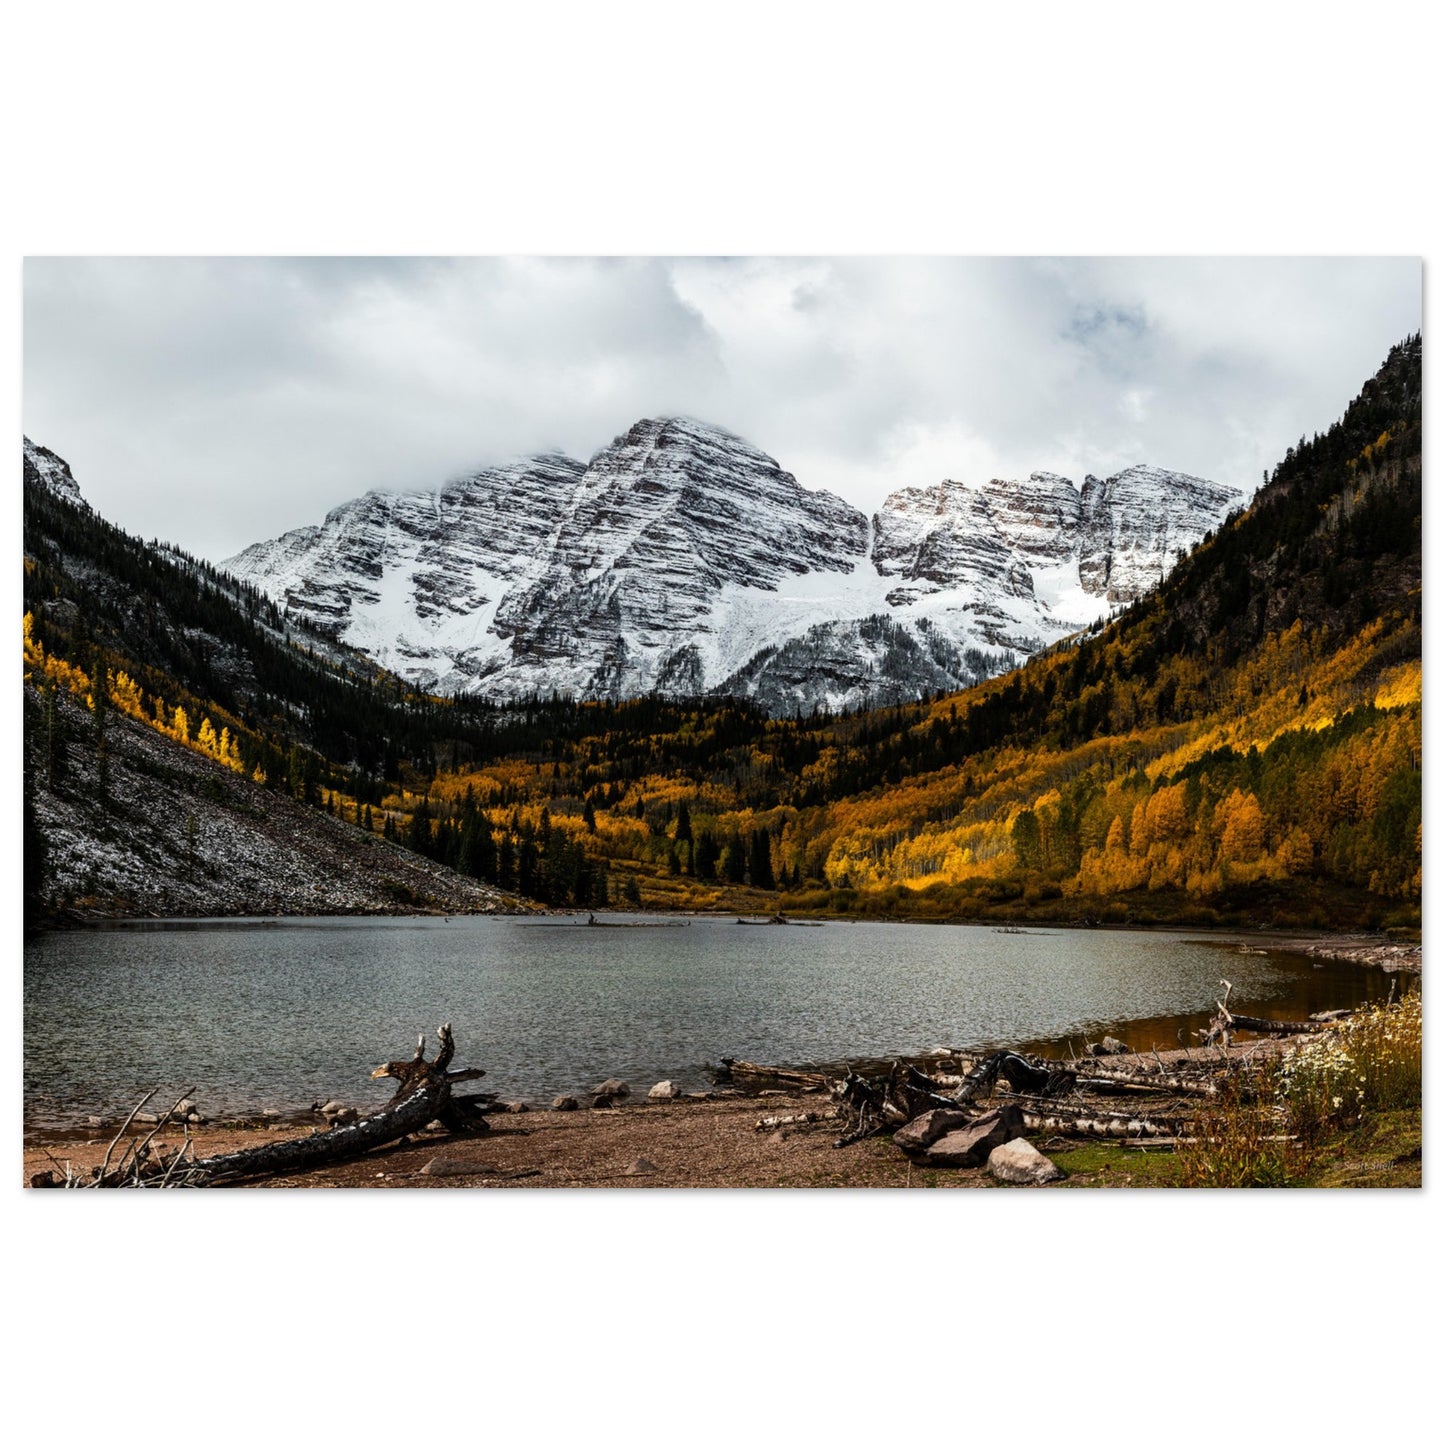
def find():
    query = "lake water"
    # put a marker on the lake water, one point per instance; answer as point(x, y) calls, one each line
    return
point(278, 1013)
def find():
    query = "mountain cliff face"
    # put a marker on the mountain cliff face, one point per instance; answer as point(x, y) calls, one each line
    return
point(681, 559)
point(44, 469)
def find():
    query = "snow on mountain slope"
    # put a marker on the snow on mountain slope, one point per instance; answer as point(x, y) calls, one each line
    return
point(682, 559)
point(1135, 525)
point(43, 468)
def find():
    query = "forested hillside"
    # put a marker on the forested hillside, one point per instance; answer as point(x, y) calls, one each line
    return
point(1243, 744)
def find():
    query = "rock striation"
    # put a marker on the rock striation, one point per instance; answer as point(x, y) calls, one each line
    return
point(682, 559)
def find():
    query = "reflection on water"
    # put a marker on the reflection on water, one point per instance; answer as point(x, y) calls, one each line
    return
point(282, 1012)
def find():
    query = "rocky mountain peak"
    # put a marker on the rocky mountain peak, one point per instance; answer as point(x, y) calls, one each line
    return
point(680, 554)
point(44, 469)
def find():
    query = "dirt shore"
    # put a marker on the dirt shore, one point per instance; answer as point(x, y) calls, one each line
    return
point(686, 1144)
point(715, 1143)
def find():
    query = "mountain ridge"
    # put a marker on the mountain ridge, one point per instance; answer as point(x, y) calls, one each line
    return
point(680, 559)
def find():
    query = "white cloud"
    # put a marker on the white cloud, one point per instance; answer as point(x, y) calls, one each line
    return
point(213, 402)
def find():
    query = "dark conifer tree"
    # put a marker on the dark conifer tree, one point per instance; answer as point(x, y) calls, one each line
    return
point(760, 859)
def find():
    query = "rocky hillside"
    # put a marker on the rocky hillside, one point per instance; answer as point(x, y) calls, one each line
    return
point(683, 560)
point(172, 833)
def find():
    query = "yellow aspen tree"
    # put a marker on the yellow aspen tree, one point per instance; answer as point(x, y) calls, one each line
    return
point(1139, 831)
point(1297, 852)
point(1242, 839)
point(1168, 817)
point(181, 725)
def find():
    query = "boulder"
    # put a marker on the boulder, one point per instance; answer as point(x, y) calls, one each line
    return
point(514, 1106)
point(563, 1102)
point(1018, 1162)
point(602, 1101)
point(665, 1090)
point(928, 1128)
point(454, 1168)
point(611, 1089)
point(970, 1145)
point(642, 1166)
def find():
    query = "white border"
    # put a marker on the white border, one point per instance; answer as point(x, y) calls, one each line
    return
point(447, 128)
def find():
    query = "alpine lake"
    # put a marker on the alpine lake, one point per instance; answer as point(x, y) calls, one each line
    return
point(274, 1014)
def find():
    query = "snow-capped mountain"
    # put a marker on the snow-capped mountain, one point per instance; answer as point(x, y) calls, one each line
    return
point(682, 559)
point(44, 469)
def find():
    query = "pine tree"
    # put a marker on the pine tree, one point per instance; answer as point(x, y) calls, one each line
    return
point(100, 702)
point(760, 859)
point(705, 858)
point(55, 755)
point(36, 852)
point(734, 860)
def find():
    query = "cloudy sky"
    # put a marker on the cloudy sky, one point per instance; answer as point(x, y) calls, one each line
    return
point(216, 402)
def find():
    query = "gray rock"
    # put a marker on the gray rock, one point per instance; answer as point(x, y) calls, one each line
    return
point(514, 1106)
point(194, 1118)
point(147, 1119)
point(184, 1108)
point(972, 1144)
point(611, 1089)
point(642, 1166)
point(94, 1120)
point(602, 1101)
point(455, 1168)
point(928, 1128)
point(333, 1106)
point(563, 1102)
point(1018, 1162)
point(341, 1116)
point(665, 1090)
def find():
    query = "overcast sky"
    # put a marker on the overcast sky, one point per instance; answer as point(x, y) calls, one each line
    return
point(216, 402)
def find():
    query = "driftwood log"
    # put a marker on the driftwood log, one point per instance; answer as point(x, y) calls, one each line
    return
point(746, 1075)
point(1224, 1024)
point(423, 1094)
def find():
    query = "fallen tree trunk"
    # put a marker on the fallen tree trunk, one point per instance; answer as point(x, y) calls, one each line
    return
point(1277, 1026)
point(1048, 1120)
point(1111, 1083)
point(738, 1071)
point(1224, 1023)
point(423, 1095)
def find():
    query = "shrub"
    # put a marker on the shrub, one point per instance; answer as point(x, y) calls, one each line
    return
point(1372, 1061)
point(1240, 1143)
